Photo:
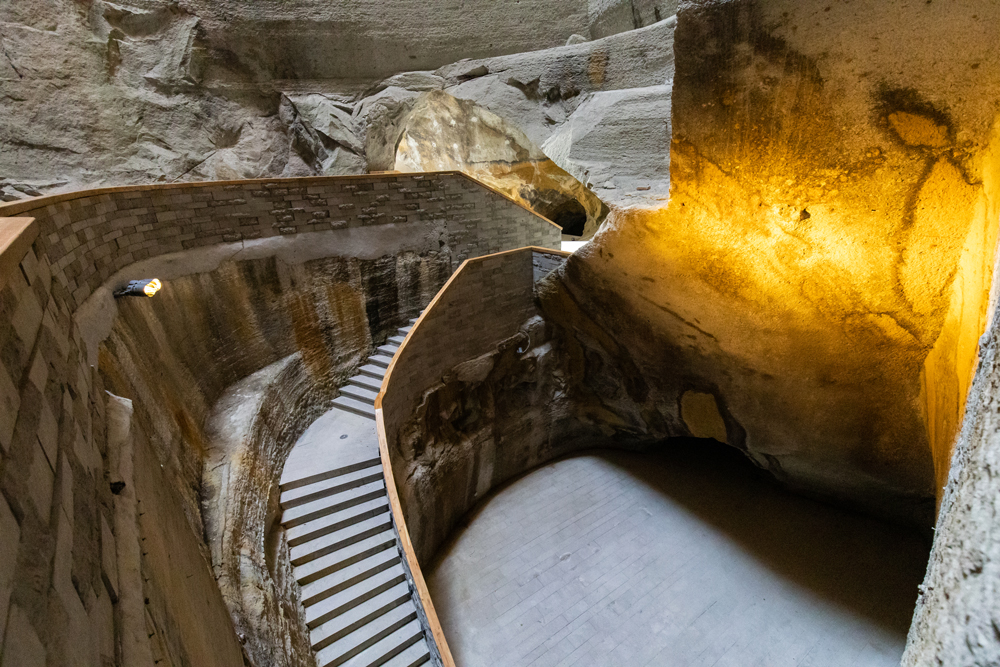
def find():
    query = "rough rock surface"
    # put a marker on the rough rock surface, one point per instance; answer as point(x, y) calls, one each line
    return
point(618, 141)
point(442, 133)
point(597, 108)
point(957, 619)
point(117, 93)
point(109, 93)
point(540, 89)
point(347, 39)
point(822, 266)
point(323, 134)
point(251, 429)
point(613, 16)
point(130, 92)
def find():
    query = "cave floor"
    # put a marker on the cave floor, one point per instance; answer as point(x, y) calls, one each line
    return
point(684, 557)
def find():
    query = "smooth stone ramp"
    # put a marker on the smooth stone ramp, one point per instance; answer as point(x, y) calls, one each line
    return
point(360, 608)
point(685, 558)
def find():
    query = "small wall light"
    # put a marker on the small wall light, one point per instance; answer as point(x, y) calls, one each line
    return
point(146, 287)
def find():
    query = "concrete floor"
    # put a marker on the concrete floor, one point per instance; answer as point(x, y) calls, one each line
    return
point(335, 440)
point(687, 557)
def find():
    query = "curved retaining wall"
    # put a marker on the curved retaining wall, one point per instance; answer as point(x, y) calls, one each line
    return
point(62, 569)
point(445, 442)
point(481, 336)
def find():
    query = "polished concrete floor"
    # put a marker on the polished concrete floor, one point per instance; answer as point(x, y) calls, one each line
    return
point(683, 558)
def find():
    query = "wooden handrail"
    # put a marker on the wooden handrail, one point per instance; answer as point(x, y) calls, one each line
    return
point(16, 237)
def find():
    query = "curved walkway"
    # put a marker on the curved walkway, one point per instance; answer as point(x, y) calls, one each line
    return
point(683, 558)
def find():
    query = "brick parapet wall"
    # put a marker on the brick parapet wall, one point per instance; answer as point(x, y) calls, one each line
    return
point(90, 236)
point(56, 558)
point(485, 302)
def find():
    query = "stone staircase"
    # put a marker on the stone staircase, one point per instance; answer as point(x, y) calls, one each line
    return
point(359, 604)
point(358, 395)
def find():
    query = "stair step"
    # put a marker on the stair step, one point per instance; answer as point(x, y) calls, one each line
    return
point(330, 474)
point(414, 320)
point(329, 487)
point(363, 394)
point(366, 382)
point(414, 656)
point(349, 576)
point(297, 516)
point(342, 602)
point(388, 349)
point(324, 565)
point(405, 330)
point(367, 645)
point(332, 523)
point(389, 647)
point(355, 406)
point(380, 360)
point(331, 544)
point(373, 371)
point(352, 620)
point(396, 340)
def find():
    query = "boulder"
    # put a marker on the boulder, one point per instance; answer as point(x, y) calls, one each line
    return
point(600, 109)
point(380, 116)
point(538, 91)
point(323, 134)
point(618, 142)
point(443, 133)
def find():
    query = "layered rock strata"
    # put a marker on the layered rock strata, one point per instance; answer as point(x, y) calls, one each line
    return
point(113, 93)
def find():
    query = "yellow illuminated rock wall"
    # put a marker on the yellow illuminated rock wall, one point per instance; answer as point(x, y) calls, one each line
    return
point(823, 267)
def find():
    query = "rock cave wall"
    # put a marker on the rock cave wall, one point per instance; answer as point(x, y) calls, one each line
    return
point(823, 265)
point(108, 93)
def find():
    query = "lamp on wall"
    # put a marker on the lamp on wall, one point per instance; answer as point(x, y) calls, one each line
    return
point(145, 287)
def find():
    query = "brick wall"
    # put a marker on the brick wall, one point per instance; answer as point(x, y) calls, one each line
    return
point(489, 300)
point(486, 302)
point(88, 238)
point(58, 551)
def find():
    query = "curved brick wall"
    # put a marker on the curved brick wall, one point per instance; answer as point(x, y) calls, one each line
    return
point(65, 560)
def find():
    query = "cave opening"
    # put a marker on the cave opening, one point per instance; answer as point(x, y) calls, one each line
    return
point(570, 215)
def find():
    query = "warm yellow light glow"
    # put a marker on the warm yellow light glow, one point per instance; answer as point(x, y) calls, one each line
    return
point(152, 287)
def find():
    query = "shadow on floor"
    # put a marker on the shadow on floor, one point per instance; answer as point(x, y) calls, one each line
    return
point(866, 565)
